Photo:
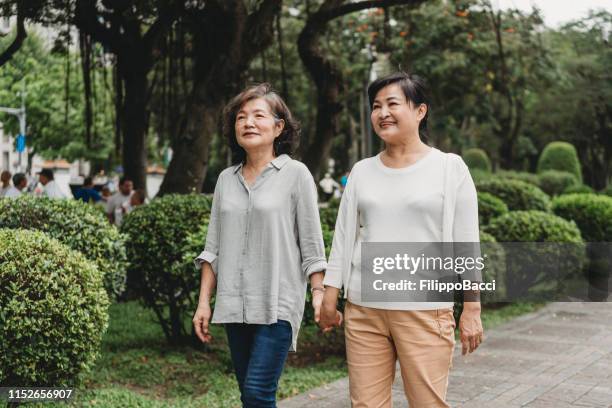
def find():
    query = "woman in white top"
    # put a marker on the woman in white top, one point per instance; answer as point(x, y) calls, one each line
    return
point(410, 192)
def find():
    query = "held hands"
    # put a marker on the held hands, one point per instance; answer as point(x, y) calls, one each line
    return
point(328, 317)
point(470, 327)
point(200, 322)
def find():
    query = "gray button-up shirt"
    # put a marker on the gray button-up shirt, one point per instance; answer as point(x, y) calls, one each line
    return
point(263, 242)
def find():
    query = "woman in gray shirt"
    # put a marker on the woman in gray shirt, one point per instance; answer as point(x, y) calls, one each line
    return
point(264, 241)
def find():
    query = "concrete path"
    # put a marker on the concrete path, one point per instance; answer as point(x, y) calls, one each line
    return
point(558, 357)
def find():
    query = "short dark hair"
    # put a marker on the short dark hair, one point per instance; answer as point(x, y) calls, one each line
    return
point(414, 88)
point(48, 173)
point(123, 179)
point(285, 143)
point(18, 178)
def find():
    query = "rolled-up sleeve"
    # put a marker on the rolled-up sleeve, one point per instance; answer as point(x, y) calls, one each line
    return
point(211, 249)
point(344, 237)
point(310, 235)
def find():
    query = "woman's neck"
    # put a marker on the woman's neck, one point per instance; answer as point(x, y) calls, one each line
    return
point(257, 160)
point(404, 154)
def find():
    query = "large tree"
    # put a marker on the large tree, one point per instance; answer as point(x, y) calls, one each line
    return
point(327, 75)
point(131, 31)
point(221, 56)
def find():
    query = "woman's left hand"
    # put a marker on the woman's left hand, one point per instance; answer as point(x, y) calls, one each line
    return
point(470, 327)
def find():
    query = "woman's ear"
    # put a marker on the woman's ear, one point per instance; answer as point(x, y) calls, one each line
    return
point(422, 111)
point(279, 126)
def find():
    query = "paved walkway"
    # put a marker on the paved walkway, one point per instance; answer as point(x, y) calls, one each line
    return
point(558, 357)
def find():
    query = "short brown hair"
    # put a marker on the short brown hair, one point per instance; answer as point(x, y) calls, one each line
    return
point(285, 143)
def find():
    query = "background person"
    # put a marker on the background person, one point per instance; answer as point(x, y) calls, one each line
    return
point(264, 242)
point(410, 192)
point(87, 193)
point(50, 187)
point(5, 179)
point(20, 181)
point(328, 186)
point(126, 186)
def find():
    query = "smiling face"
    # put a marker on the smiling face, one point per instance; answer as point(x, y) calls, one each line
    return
point(256, 127)
point(394, 118)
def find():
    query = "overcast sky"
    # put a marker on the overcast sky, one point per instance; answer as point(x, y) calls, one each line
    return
point(557, 12)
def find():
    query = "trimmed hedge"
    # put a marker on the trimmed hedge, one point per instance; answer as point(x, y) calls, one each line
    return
point(560, 156)
point(592, 213)
point(519, 175)
point(476, 158)
point(53, 311)
point(579, 189)
point(489, 207)
point(80, 226)
point(533, 226)
point(517, 195)
point(158, 234)
point(554, 182)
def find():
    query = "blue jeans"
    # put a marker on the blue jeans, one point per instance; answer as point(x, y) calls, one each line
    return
point(258, 354)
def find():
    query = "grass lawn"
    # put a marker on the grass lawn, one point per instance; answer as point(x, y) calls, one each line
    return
point(137, 369)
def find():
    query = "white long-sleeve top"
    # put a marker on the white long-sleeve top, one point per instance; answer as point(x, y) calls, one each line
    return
point(432, 200)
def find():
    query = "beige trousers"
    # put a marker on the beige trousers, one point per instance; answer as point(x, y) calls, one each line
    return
point(422, 340)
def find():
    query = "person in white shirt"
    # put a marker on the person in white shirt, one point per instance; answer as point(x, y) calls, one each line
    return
point(328, 185)
point(20, 181)
point(5, 178)
point(137, 199)
point(126, 187)
point(50, 187)
point(410, 192)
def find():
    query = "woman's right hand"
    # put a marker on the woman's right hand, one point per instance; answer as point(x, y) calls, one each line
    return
point(200, 322)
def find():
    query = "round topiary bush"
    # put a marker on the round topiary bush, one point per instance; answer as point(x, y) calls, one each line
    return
point(489, 207)
point(78, 225)
point(579, 189)
point(554, 182)
point(533, 226)
point(53, 311)
point(550, 253)
point(477, 159)
point(517, 195)
point(519, 175)
point(560, 156)
point(157, 237)
point(591, 212)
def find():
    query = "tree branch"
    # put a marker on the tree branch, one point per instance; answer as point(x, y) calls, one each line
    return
point(19, 37)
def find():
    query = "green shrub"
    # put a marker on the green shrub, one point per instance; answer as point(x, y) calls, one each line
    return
point(579, 189)
point(535, 269)
point(560, 156)
point(80, 226)
point(607, 191)
point(480, 175)
point(328, 216)
point(477, 159)
point(495, 267)
point(53, 311)
point(592, 213)
point(158, 234)
point(517, 195)
point(554, 182)
point(489, 207)
point(519, 175)
point(533, 226)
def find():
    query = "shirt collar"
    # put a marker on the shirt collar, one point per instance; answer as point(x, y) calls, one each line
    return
point(278, 163)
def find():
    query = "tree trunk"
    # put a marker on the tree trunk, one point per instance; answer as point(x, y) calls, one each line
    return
point(222, 54)
point(135, 129)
